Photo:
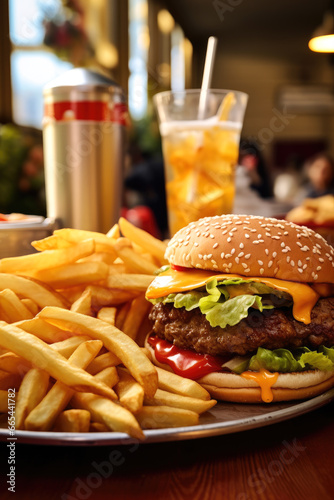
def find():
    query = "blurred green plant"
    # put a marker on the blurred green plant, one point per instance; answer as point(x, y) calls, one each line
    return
point(21, 172)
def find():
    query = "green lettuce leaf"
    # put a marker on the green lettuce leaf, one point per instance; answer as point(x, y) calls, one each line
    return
point(316, 360)
point(215, 303)
point(233, 310)
point(187, 300)
point(285, 361)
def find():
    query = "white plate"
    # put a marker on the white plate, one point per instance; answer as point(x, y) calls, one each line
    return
point(224, 418)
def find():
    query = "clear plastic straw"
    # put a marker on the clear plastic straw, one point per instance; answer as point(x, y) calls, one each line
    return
point(207, 74)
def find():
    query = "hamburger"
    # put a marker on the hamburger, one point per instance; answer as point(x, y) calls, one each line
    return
point(246, 308)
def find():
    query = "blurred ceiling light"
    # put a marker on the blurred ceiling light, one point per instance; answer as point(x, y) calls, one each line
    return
point(107, 54)
point(188, 47)
point(323, 37)
point(166, 21)
point(144, 38)
point(140, 10)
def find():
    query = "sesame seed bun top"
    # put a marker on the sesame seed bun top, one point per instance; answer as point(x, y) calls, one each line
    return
point(253, 246)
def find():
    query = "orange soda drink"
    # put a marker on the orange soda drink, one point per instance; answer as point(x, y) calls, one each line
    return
point(200, 156)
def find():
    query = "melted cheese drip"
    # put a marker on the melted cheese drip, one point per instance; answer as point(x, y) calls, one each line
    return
point(172, 281)
point(265, 380)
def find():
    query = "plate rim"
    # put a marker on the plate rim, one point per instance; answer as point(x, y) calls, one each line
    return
point(170, 434)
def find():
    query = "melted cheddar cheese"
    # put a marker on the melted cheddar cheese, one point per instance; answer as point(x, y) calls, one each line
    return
point(265, 380)
point(172, 281)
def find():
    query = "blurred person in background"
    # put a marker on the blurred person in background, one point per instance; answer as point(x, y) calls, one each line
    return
point(254, 168)
point(320, 172)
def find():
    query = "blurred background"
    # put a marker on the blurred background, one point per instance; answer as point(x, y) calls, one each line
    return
point(152, 45)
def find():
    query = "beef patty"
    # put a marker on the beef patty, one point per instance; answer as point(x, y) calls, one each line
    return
point(272, 329)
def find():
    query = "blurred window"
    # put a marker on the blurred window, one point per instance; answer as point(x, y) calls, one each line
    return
point(139, 45)
point(32, 63)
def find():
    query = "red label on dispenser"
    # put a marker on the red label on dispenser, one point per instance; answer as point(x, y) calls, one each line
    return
point(87, 110)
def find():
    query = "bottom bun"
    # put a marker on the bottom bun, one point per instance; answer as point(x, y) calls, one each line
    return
point(289, 386)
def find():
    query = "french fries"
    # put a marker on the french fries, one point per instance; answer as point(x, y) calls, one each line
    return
point(107, 314)
point(43, 356)
point(73, 317)
point(47, 259)
point(11, 307)
point(33, 388)
point(113, 339)
point(130, 393)
point(44, 415)
point(165, 398)
point(158, 417)
point(74, 274)
point(145, 240)
point(72, 421)
point(171, 382)
point(28, 288)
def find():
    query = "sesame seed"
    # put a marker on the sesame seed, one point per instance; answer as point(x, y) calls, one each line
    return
point(222, 255)
point(229, 239)
point(244, 265)
point(215, 245)
point(247, 256)
point(260, 262)
point(241, 245)
point(237, 260)
point(261, 270)
point(247, 235)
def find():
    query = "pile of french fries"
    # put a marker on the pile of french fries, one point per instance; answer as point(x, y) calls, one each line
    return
point(73, 318)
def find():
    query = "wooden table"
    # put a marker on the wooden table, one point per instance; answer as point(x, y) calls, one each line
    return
point(291, 460)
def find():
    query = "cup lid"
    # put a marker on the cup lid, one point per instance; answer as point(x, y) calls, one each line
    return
point(82, 79)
